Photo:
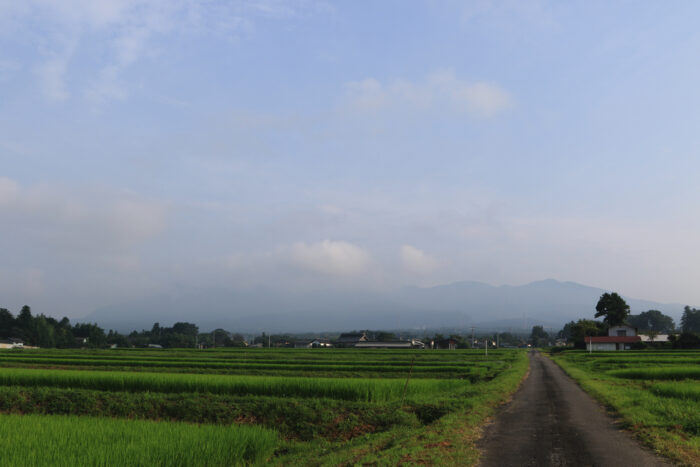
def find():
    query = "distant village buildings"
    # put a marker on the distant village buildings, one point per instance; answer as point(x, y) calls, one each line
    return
point(350, 339)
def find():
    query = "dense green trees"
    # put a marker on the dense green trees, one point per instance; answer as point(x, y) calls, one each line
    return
point(539, 337)
point(45, 331)
point(577, 332)
point(612, 308)
point(182, 334)
point(652, 320)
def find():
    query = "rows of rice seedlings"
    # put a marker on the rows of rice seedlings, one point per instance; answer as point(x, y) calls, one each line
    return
point(304, 409)
point(673, 373)
point(646, 361)
point(354, 366)
point(420, 365)
point(74, 441)
point(405, 360)
point(678, 390)
point(336, 355)
point(293, 417)
point(363, 389)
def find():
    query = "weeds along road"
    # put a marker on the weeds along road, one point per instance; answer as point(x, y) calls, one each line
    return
point(551, 421)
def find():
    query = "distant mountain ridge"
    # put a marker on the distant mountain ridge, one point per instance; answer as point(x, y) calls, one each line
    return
point(460, 305)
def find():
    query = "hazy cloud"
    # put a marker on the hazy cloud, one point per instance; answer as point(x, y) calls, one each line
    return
point(331, 257)
point(8, 190)
point(417, 261)
point(68, 223)
point(440, 90)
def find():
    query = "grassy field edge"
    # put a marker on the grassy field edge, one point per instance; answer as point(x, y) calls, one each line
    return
point(667, 444)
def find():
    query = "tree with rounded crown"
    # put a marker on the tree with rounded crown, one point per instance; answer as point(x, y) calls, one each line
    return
point(613, 308)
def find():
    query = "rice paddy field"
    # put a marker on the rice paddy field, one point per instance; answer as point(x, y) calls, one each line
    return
point(656, 394)
point(249, 406)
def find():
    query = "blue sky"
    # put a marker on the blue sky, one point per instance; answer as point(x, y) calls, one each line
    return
point(145, 146)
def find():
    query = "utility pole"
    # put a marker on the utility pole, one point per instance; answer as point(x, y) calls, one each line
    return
point(486, 347)
point(471, 346)
point(268, 341)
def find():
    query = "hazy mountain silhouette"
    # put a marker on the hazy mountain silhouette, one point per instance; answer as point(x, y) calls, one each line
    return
point(459, 305)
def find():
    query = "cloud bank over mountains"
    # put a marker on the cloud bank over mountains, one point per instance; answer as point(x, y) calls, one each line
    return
point(455, 306)
point(153, 147)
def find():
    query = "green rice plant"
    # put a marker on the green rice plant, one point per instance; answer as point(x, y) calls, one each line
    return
point(334, 388)
point(675, 373)
point(678, 390)
point(82, 441)
point(354, 366)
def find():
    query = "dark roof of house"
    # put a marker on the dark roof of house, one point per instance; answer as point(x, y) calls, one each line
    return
point(352, 337)
point(614, 339)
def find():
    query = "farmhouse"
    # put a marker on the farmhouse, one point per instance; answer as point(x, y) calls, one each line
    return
point(11, 343)
point(618, 338)
point(314, 344)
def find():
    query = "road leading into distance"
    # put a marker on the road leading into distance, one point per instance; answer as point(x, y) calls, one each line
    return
point(551, 421)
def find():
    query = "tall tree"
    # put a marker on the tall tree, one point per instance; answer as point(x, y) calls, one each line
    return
point(539, 336)
point(690, 321)
point(25, 325)
point(613, 308)
point(7, 322)
point(45, 333)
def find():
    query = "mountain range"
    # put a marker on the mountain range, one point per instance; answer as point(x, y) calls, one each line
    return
point(460, 305)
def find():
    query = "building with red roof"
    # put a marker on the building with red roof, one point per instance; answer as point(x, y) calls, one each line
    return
point(618, 338)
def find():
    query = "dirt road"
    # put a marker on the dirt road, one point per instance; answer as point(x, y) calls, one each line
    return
point(553, 422)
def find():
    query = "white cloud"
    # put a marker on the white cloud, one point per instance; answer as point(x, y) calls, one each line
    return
point(441, 90)
point(126, 31)
point(331, 257)
point(417, 261)
point(368, 94)
point(52, 72)
point(483, 98)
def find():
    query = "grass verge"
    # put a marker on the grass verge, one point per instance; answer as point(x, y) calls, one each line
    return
point(669, 425)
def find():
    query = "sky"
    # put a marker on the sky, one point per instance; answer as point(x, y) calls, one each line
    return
point(151, 146)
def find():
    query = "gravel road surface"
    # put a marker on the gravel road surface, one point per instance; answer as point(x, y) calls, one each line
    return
point(551, 421)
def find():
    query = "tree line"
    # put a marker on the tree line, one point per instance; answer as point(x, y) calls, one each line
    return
point(45, 331)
